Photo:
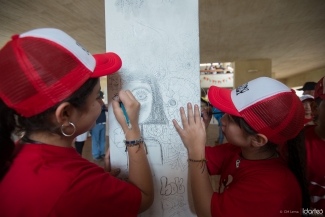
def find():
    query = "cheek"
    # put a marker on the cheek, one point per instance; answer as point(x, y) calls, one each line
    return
point(95, 110)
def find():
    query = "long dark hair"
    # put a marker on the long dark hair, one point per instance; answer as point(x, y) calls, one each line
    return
point(11, 122)
point(294, 152)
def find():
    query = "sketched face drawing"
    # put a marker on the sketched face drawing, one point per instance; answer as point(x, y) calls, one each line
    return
point(143, 93)
point(115, 81)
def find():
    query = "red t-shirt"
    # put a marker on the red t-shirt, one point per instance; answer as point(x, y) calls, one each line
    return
point(315, 148)
point(307, 120)
point(256, 188)
point(46, 180)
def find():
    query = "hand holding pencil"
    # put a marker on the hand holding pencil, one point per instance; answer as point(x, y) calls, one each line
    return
point(206, 114)
point(126, 110)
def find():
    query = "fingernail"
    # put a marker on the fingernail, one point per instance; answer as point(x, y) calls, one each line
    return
point(116, 97)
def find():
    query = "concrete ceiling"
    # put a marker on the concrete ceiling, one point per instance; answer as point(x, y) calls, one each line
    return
point(290, 32)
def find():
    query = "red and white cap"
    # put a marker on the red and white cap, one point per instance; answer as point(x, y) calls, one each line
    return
point(306, 97)
point(320, 89)
point(43, 67)
point(267, 105)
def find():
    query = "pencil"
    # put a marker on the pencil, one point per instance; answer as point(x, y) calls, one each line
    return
point(126, 116)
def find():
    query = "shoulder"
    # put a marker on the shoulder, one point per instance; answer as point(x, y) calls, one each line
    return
point(275, 175)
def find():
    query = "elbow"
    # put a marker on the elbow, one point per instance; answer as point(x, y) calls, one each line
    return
point(203, 214)
point(146, 202)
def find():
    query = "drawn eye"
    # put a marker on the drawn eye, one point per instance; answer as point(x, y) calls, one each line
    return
point(141, 94)
point(172, 102)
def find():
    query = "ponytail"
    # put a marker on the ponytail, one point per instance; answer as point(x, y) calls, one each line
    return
point(296, 158)
point(7, 145)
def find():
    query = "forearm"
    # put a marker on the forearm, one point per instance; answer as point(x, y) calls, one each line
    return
point(200, 185)
point(139, 170)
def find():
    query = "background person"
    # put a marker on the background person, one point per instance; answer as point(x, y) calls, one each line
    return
point(50, 99)
point(307, 101)
point(80, 142)
point(315, 146)
point(98, 132)
point(308, 88)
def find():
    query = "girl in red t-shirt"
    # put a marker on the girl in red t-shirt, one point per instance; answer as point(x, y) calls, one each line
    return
point(50, 92)
point(262, 168)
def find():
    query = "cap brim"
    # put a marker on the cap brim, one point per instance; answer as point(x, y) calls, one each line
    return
point(300, 89)
point(106, 64)
point(220, 98)
point(306, 97)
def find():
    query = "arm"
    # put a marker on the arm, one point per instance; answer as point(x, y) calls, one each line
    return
point(106, 107)
point(193, 136)
point(107, 165)
point(139, 169)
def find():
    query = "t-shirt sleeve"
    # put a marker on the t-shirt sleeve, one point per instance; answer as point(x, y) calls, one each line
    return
point(97, 193)
point(216, 156)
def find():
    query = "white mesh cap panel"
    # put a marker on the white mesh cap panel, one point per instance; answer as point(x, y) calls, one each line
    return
point(65, 41)
point(256, 90)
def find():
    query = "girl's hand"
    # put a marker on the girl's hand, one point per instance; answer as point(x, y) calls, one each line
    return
point(107, 165)
point(193, 133)
point(132, 107)
point(206, 116)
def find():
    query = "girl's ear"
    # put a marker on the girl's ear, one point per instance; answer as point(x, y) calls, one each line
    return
point(259, 140)
point(314, 108)
point(63, 113)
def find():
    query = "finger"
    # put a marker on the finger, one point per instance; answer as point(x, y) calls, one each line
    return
point(107, 154)
point(115, 172)
point(183, 117)
point(116, 97)
point(116, 108)
point(205, 116)
point(197, 116)
point(123, 96)
point(107, 163)
point(203, 124)
point(177, 127)
point(130, 95)
point(190, 114)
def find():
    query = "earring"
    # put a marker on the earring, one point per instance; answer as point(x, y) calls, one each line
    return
point(74, 129)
